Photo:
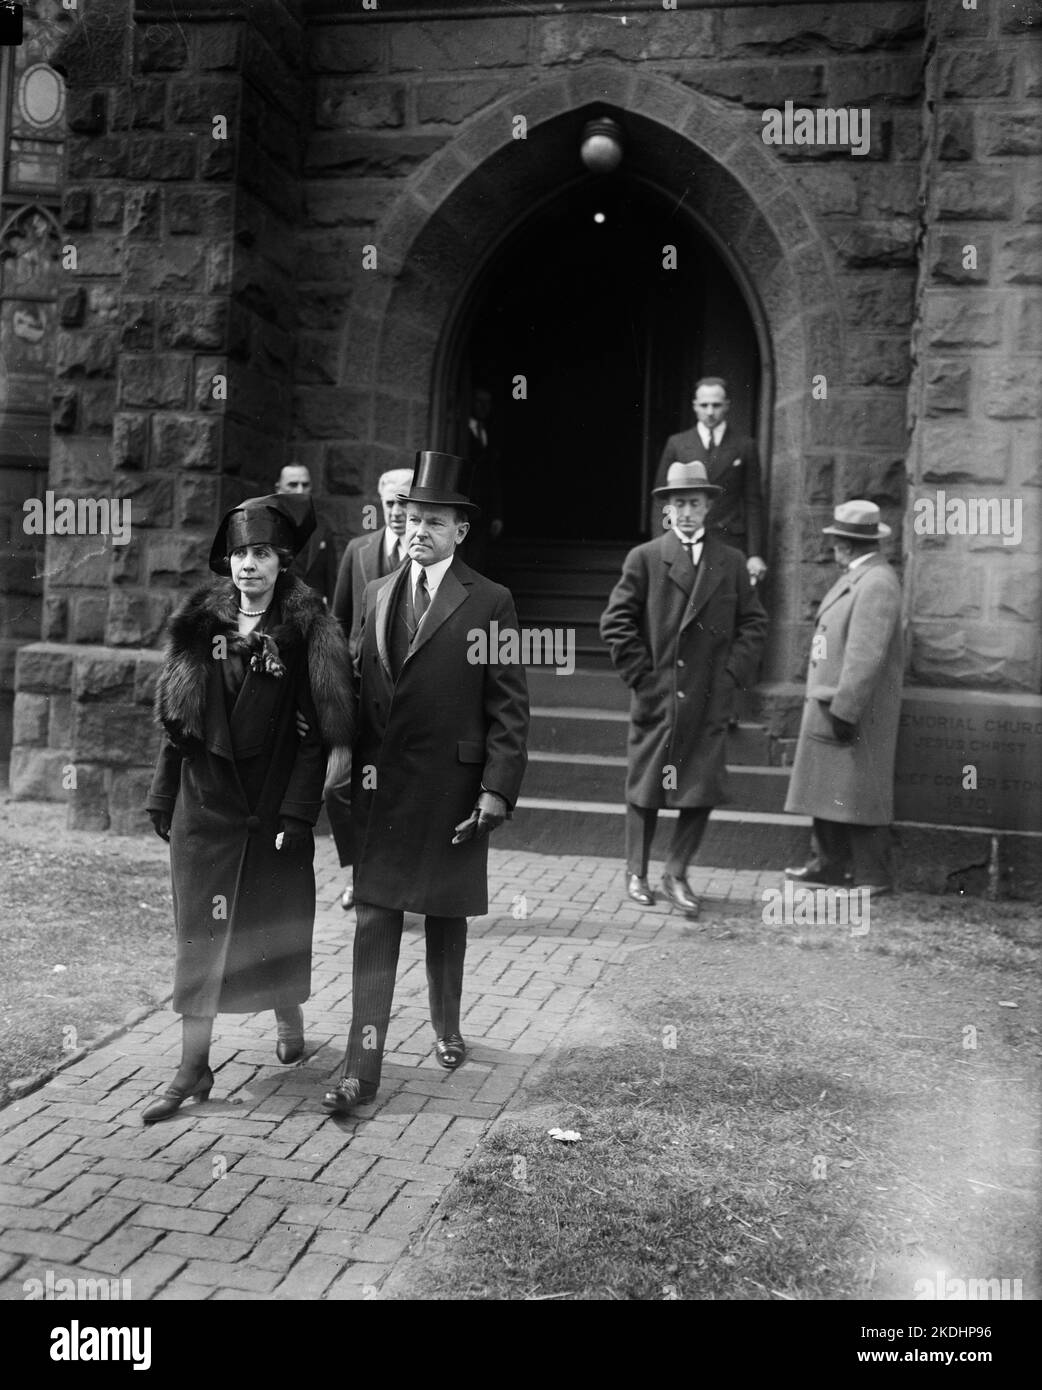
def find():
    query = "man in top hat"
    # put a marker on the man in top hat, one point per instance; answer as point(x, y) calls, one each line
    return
point(316, 563)
point(732, 462)
point(843, 770)
point(684, 627)
point(365, 558)
point(438, 762)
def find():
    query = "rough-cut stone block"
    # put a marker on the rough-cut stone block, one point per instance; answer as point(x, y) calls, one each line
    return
point(959, 451)
point(436, 46)
point(138, 331)
point(186, 441)
point(86, 353)
point(75, 210)
point(1010, 133)
point(806, 28)
point(101, 675)
point(197, 500)
point(882, 300)
point(43, 667)
point(87, 618)
point(1018, 593)
point(177, 561)
point(88, 798)
point(1002, 656)
point(977, 72)
point(874, 420)
point(151, 499)
point(179, 269)
point(863, 81)
point(126, 568)
point(365, 106)
point(142, 213)
point(946, 589)
point(373, 156)
point(135, 620)
point(96, 157)
point(878, 361)
point(962, 259)
point(1020, 259)
point(969, 319)
point(876, 243)
point(166, 157)
point(130, 441)
point(36, 773)
point(955, 135)
point(946, 387)
point(879, 477)
point(109, 207)
point(160, 48)
point(193, 323)
point(145, 677)
point(449, 103)
point(59, 724)
point(31, 719)
point(1010, 391)
point(980, 196)
point(141, 106)
point(154, 383)
point(1029, 322)
point(347, 468)
point(64, 403)
point(97, 407)
point(128, 792)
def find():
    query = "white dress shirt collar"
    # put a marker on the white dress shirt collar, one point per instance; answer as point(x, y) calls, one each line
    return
point(868, 555)
point(695, 550)
point(391, 545)
point(713, 436)
point(435, 574)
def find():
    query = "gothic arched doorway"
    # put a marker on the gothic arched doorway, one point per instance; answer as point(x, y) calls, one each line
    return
point(608, 302)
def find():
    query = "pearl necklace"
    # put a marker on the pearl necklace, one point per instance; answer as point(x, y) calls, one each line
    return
point(247, 613)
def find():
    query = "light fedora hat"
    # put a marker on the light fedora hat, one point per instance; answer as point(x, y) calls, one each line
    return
point(858, 520)
point(687, 477)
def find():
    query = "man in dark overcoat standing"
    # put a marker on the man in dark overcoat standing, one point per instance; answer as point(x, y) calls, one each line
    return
point(843, 769)
point(685, 628)
point(365, 558)
point(437, 765)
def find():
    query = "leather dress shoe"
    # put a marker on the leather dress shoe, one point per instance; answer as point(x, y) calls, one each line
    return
point(639, 891)
point(289, 1046)
point(449, 1052)
point(874, 890)
point(349, 1093)
point(678, 891)
point(174, 1097)
point(347, 898)
point(812, 874)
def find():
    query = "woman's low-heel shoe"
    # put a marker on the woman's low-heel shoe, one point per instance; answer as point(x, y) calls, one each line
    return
point(290, 1044)
point(172, 1099)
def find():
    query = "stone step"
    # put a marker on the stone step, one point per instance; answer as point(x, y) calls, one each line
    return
point(557, 579)
point(733, 839)
point(545, 609)
point(596, 777)
point(575, 731)
point(600, 556)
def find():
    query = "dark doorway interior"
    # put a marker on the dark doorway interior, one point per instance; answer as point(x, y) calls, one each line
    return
point(579, 302)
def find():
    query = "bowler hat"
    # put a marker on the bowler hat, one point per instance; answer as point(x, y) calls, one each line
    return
point(858, 520)
point(687, 477)
point(442, 480)
point(282, 519)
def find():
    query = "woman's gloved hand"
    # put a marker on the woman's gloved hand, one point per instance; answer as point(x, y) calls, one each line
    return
point(293, 834)
point(161, 823)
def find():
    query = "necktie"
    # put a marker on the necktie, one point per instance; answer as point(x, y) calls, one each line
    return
point(423, 599)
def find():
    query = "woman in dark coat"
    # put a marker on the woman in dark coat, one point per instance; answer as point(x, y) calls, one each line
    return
point(237, 790)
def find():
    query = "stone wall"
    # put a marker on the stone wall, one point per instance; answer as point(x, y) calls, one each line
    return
point(975, 602)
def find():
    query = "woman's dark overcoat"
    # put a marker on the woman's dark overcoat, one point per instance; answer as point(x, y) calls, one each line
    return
point(682, 640)
point(243, 910)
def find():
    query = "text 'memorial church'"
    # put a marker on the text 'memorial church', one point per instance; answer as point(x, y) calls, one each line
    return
point(239, 232)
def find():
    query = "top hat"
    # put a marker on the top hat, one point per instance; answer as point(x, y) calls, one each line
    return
point(858, 520)
point(282, 519)
point(687, 477)
point(442, 480)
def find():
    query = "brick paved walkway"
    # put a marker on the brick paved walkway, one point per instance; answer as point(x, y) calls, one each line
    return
point(257, 1193)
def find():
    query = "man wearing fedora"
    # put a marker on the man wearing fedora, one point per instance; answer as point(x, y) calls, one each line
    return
point(685, 628)
point(438, 762)
point(843, 771)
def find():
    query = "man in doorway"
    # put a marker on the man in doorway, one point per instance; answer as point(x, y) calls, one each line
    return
point(438, 762)
point(733, 463)
point(483, 455)
point(843, 770)
point(685, 627)
point(366, 558)
point(317, 562)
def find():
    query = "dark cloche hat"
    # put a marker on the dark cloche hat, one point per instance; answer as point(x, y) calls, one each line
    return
point(282, 519)
point(443, 480)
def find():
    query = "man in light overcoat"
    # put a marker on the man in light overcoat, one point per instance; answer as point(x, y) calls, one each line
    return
point(437, 764)
point(685, 628)
point(843, 770)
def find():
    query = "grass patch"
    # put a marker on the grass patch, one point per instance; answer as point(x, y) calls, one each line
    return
point(105, 917)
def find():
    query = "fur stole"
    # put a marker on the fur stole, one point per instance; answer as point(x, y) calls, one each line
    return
point(209, 612)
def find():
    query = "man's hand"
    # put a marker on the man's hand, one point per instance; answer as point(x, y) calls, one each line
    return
point(161, 823)
point(489, 813)
point(843, 731)
point(303, 727)
point(757, 569)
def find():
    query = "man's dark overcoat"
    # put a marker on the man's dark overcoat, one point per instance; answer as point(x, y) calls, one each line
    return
point(363, 561)
point(243, 910)
point(736, 514)
point(429, 743)
point(682, 640)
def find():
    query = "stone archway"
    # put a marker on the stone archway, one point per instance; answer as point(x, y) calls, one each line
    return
point(466, 199)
